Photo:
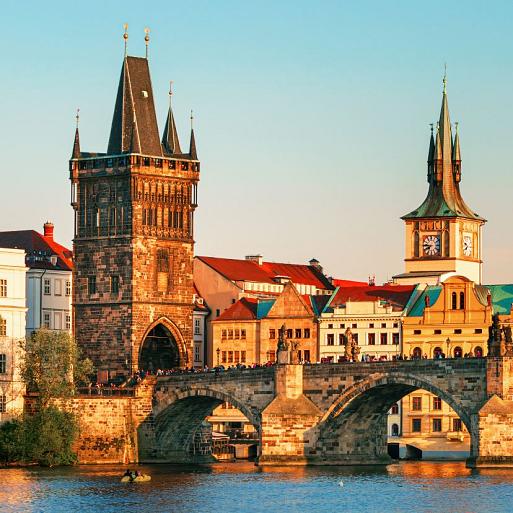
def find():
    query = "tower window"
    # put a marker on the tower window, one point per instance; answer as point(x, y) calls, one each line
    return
point(114, 284)
point(462, 300)
point(454, 301)
point(91, 284)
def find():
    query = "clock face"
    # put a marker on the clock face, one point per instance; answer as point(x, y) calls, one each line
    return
point(467, 245)
point(431, 245)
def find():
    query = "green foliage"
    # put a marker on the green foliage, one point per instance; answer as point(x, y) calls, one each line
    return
point(51, 365)
point(49, 436)
point(11, 441)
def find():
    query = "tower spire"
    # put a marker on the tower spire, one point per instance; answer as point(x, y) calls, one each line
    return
point(76, 144)
point(170, 141)
point(147, 40)
point(125, 37)
point(431, 154)
point(192, 146)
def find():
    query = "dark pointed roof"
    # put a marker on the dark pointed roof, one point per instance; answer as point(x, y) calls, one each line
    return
point(192, 147)
point(134, 106)
point(75, 154)
point(170, 141)
point(444, 196)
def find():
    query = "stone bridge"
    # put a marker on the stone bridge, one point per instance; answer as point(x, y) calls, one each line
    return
point(332, 413)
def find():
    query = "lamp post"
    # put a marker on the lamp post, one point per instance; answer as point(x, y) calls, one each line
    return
point(448, 341)
point(218, 351)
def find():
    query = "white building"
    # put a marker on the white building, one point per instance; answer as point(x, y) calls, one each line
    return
point(48, 284)
point(12, 330)
point(199, 330)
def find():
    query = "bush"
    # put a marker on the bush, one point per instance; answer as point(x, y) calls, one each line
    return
point(11, 441)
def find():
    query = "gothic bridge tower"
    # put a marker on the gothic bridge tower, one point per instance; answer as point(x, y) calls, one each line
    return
point(133, 244)
point(443, 235)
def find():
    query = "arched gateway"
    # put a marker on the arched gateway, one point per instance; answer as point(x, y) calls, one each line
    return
point(162, 348)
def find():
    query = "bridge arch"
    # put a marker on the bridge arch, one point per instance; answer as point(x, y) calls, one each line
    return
point(179, 417)
point(356, 421)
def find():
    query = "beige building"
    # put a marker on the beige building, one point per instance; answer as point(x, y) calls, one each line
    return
point(12, 330)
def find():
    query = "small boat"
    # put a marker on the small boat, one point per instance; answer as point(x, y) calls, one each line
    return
point(141, 478)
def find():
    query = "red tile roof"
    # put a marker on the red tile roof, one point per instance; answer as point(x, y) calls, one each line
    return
point(397, 295)
point(39, 249)
point(348, 283)
point(244, 309)
point(248, 270)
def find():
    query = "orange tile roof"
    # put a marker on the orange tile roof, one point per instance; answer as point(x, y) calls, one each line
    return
point(244, 309)
point(348, 283)
point(397, 295)
point(247, 270)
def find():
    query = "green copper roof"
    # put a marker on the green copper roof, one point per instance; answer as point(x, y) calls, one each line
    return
point(502, 298)
point(263, 308)
point(433, 292)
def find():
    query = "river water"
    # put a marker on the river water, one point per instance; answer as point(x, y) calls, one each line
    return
point(241, 487)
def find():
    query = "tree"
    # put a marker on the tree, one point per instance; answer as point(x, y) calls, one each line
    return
point(51, 365)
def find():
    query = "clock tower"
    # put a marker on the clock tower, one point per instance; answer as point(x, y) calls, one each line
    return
point(443, 235)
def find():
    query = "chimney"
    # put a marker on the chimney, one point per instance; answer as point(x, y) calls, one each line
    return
point(372, 280)
point(258, 259)
point(48, 230)
point(315, 263)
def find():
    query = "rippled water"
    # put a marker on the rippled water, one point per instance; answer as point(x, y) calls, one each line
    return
point(242, 487)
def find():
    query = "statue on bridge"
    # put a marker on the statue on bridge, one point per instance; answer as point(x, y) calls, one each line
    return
point(282, 352)
point(500, 340)
point(352, 350)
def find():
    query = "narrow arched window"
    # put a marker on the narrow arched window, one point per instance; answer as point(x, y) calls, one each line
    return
point(416, 244)
point(462, 300)
point(454, 301)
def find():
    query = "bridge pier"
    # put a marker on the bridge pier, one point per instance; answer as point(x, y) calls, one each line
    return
point(493, 424)
point(288, 422)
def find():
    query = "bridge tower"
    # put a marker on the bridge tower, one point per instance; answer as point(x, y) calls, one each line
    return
point(443, 235)
point(133, 243)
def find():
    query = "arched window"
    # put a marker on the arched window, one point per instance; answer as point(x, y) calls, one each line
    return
point(454, 301)
point(395, 430)
point(437, 352)
point(478, 352)
point(458, 352)
point(395, 409)
point(415, 243)
point(417, 353)
point(462, 300)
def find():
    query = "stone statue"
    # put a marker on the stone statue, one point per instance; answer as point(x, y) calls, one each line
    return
point(282, 339)
point(508, 344)
point(294, 356)
point(495, 340)
point(351, 349)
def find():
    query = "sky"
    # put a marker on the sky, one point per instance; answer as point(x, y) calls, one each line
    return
point(311, 118)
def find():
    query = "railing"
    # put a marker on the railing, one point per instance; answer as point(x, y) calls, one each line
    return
point(106, 391)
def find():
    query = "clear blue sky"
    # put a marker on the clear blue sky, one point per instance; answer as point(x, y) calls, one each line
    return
point(311, 117)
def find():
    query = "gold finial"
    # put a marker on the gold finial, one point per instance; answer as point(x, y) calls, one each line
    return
point(192, 119)
point(445, 78)
point(77, 117)
point(125, 36)
point(147, 39)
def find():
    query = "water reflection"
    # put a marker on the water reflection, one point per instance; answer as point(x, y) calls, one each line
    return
point(403, 487)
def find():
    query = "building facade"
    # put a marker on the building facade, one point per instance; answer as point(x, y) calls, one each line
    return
point(12, 330)
point(48, 279)
point(133, 244)
point(199, 319)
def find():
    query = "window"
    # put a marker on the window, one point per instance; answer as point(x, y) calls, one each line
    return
point(438, 332)
point(243, 356)
point(306, 357)
point(230, 334)
point(383, 338)
point(417, 353)
point(289, 333)
point(47, 287)
point(395, 339)
point(330, 326)
point(457, 425)
point(3, 288)
point(454, 301)
point(197, 353)
point(383, 324)
point(395, 430)
point(3, 403)
point(68, 288)
point(272, 333)
point(417, 332)
point(272, 356)
point(298, 332)
point(416, 404)
point(197, 327)
point(223, 359)
point(57, 321)
point(46, 320)
point(58, 287)
point(236, 334)
point(478, 352)
point(437, 425)
point(458, 352)
point(243, 334)
point(354, 326)
point(462, 300)
point(342, 325)
point(371, 325)
point(223, 334)
point(437, 403)
point(230, 356)
point(396, 324)
point(371, 339)
point(330, 339)
point(236, 358)
point(416, 425)
point(3, 327)
point(355, 338)
point(114, 284)
point(3, 363)
point(68, 322)
point(307, 333)
point(478, 331)
point(91, 284)
point(218, 312)
point(341, 339)
point(395, 409)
